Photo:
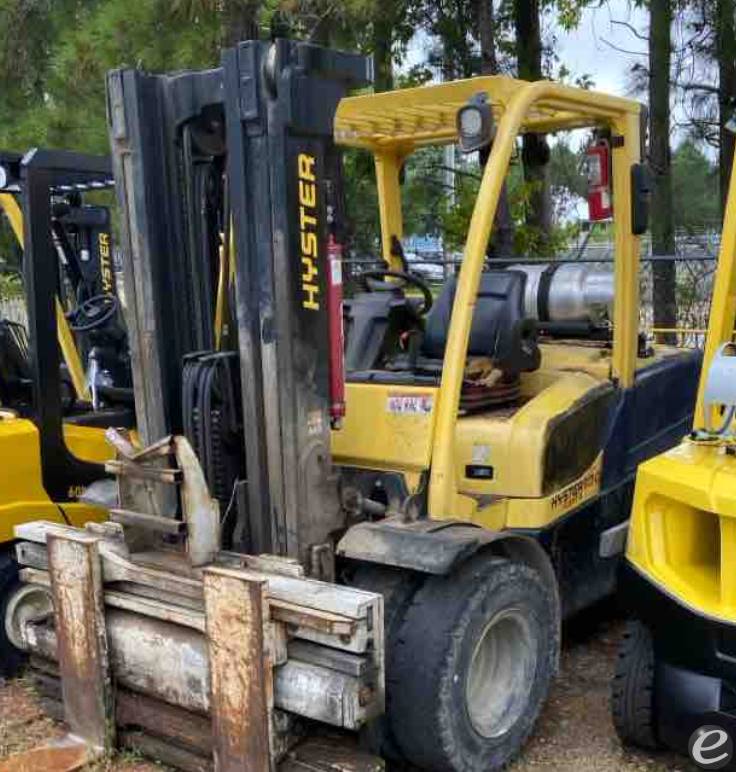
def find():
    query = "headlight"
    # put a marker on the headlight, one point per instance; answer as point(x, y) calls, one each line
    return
point(3, 177)
point(475, 124)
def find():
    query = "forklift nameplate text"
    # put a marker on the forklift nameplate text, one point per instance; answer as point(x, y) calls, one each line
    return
point(308, 228)
point(581, 489)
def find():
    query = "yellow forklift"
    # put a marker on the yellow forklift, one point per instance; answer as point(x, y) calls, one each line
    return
point(319, 539)
point(676, 670)
point(52, 413)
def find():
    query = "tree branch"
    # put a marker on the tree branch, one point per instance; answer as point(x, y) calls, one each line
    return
point(631, 28)
point(623, 50)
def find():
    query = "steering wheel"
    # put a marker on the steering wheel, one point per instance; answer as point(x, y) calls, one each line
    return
point(405, 279)
point(93, 313)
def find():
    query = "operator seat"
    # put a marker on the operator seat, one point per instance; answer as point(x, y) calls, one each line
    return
point(499, 331)
point(15, 364)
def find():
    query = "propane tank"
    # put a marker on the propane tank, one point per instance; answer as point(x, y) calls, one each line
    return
point(567, 292)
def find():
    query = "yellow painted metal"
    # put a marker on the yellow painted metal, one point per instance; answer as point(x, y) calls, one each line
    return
point(388, 169)
point(394, 124)
point(723, 305)
point(682, 536)
point(626, 250)
point(70, 352)
point(15, 217)
point(683, 527)
point(386, 427)
point(409, 118)
point(540, 511)
point(22, 495)
point(514, 444)
point(66, 338)
point(225, 281)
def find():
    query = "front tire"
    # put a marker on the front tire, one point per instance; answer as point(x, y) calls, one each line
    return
point(632, 694)
point(474, 661)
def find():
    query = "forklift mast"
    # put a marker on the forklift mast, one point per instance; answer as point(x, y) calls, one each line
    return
point(279, 189)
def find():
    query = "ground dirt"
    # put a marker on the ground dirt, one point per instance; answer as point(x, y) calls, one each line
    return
point(575, 733)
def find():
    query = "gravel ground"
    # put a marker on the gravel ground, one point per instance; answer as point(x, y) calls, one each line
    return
point(575, 733)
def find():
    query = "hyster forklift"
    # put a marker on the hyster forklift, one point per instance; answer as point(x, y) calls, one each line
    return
point(318, 539)
point(676, 671)
point(53, 413)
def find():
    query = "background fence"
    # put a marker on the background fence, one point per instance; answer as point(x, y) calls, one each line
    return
point(13, 309)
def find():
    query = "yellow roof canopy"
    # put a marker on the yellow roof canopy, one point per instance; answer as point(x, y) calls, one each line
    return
point(408, 118)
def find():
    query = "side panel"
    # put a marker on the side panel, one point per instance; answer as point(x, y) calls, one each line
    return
point(386, 427)
point(22, 495)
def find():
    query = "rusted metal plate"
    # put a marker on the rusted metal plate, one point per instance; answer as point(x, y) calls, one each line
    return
point(76, 582)
point(65, 755)
point(240, 671)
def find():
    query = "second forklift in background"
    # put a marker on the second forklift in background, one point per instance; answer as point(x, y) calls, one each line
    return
point(429, 497)
point(676, 671)
point(61, 384)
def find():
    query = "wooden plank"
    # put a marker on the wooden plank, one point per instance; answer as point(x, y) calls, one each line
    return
point(37, 530)
point(164, 752)
point(156, 609)
point(31, 554)
point(344, 662)
point(324, 596)
point(65, 755)
point(327, 755)
point(298, 616)
point(158, 718)
point(140, 472)
point(241, 676)
point(76, 583)
point(155, 523)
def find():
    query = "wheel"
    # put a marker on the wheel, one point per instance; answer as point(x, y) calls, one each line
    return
point(398, 588)
point(632, 695)
point(11, 658)
point(474, 660)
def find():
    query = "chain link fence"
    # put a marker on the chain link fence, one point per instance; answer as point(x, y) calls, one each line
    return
point(14, 309)
point(695, 260)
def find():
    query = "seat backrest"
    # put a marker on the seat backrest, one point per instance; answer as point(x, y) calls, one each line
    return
point(14, 351)
point(499, 329)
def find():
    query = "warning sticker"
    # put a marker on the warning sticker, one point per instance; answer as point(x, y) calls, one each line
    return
point(481, 454)
point(410, 404)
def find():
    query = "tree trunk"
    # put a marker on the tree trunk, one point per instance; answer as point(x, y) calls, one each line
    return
point(535, 151)
point(502, 240)
point(487, 37)
point(383, 39)
point(663, 235)
point(726, 53)
point(239, 21)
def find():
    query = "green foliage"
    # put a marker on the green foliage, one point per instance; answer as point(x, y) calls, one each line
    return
point(59, 100)
point(11, 286)
point(695, 198)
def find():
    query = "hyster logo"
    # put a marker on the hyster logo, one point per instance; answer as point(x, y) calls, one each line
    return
point(105, 263)
point(711, 747)
point(309, 242)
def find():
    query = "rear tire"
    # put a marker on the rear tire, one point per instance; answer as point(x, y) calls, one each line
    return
point(632, 694)
point(474, 660)
point(11, 658)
